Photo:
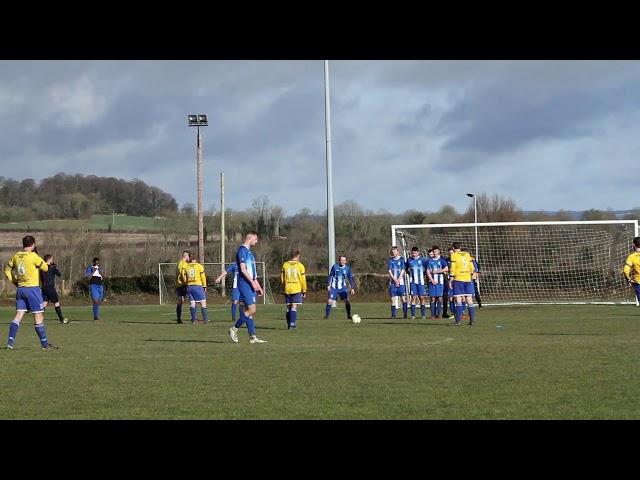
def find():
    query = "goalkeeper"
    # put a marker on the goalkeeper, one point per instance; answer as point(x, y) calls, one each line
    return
point(631, 267)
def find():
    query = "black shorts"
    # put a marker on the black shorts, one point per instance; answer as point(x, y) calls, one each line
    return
point(49, 294)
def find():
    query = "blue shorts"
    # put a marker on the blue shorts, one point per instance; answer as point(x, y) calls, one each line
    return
point(400, 291)
point(463, 288)
point(196, 293)
point(419, 290)
point(247, 294)
point(97, 292)
point(235, 295)
point(342, 293)
point(182, 291)
point(436, 290)
point(637, 286)
point(29, 299)
point(293, 298)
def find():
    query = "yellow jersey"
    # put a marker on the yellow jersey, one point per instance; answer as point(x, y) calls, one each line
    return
point(181, 273)
point(461, 266)
point(293, 277)
point(25, 265)
point(195, 274)
point(631, 267)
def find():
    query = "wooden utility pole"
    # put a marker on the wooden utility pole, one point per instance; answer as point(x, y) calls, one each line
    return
point(222, 233)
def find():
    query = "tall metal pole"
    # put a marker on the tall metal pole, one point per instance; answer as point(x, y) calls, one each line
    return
point(200, 217)
point(222, 233)
point(330, 224)
point(475, 211)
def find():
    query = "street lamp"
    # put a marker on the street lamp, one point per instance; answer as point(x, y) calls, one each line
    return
point(475, 214)
point(198, 121)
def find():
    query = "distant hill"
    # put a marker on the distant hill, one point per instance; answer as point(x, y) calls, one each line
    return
point(576, 214)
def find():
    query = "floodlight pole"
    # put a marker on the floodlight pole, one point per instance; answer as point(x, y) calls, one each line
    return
point(200, 215)
point(330, 223)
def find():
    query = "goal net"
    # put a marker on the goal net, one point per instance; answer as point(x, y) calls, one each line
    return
point(537, 262)
point(167, 282)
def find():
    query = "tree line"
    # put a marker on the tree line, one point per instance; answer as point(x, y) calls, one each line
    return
point(78, 196)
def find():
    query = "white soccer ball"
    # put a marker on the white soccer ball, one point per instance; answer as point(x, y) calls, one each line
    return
point(355, 318)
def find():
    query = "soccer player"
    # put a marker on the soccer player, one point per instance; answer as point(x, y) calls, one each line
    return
point(235, 293)
point(631, 267)
point(337, 285)
point(397, 288)
point(197, 286)
point(96, 286)
point(417, 266)
point(461, 277)
point(476, 266)
point(22, 271)
point(248, 286)
point(294, 284)
point(447, 295)
point(182, 288)
point(436, 270)
point(48, 287)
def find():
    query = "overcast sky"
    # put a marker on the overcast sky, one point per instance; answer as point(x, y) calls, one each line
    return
point(406, 134)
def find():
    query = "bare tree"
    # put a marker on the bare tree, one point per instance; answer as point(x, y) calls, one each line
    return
point(276, 213)
point(494, 209)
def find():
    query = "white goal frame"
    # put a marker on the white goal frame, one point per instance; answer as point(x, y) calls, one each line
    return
point(219, 265)
point(633, 223)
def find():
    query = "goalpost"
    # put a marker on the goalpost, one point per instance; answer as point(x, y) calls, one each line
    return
point(167, 280)
point(572, 262)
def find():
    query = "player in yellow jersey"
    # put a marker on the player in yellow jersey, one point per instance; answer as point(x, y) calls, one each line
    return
point(461, 275)
point(182, 290)
point(631, 267)
point(23, 271)
point(197, 285)
point(294, 284)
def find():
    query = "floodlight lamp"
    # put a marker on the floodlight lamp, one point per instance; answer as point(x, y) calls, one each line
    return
point(193, 120)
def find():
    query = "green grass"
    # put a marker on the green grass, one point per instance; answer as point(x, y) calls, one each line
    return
point(548, 362)
point(102, 222)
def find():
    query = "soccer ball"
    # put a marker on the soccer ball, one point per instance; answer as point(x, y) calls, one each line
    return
point(355, 318)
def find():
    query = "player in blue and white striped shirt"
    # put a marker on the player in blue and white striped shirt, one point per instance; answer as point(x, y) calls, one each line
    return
point(436, 271)
point(397, 287)
point(417, 267)
point(337, 285)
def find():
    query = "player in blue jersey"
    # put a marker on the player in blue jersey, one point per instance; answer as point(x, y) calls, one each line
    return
point(447, 295)
point(436, 271)
point(96, 287)
point(337, 285)
point(235, 293)
point(248, 286)
point(417, 267)
point(397, 287)
point(475, 282)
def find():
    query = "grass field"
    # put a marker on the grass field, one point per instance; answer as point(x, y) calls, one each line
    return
point(102, 222)
point(547, 362)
